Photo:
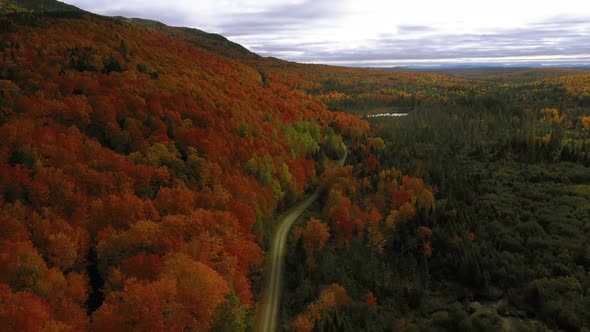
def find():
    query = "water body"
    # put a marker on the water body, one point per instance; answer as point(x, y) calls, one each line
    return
point(385, 114)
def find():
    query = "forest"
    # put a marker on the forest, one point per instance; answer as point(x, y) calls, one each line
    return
point(143, 169)
point(503, 247)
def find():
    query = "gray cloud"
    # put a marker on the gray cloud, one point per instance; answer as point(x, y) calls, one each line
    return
point(542, 39)
point(281, 19)
point(402, 29)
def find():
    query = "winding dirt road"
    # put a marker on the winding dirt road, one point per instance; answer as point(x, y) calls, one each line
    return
point(268, 316)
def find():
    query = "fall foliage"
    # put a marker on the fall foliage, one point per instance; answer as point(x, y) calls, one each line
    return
point(315, 236)
point(330, 300)
point(146, 160)
point(142, 166)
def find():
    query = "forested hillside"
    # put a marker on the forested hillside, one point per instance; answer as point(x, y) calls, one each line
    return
point(136, 164)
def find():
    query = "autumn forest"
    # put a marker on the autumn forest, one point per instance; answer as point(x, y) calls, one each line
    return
point(145, 169)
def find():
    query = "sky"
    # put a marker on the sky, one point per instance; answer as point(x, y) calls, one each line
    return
point(383, 33)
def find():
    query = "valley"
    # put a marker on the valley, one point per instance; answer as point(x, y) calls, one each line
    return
point(168, 179)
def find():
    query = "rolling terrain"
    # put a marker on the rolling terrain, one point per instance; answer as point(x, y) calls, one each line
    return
point(144, 169)
point(117, 188)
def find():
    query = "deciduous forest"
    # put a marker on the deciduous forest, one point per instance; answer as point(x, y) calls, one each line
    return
point(143, 169)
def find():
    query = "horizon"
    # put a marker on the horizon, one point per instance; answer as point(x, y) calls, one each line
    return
point(378, 34)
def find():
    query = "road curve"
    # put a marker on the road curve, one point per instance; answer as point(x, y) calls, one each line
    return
point(268, 317)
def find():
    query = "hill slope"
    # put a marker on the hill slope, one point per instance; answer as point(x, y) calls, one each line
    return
point(210, 41)
point(135, 165)
point(43, 5)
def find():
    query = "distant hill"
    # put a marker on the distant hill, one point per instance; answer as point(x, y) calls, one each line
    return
point(507, 74)
point(42, 5)
point(535, 74)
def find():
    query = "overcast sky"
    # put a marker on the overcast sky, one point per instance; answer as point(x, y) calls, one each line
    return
point(382, 32)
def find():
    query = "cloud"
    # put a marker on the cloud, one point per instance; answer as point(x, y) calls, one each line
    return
point(408, 29)
point(281, 20)
point(544, 39)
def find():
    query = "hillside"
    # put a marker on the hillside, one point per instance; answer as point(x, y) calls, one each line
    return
point(209, 41)
point(119, 191)
point(42, 6)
